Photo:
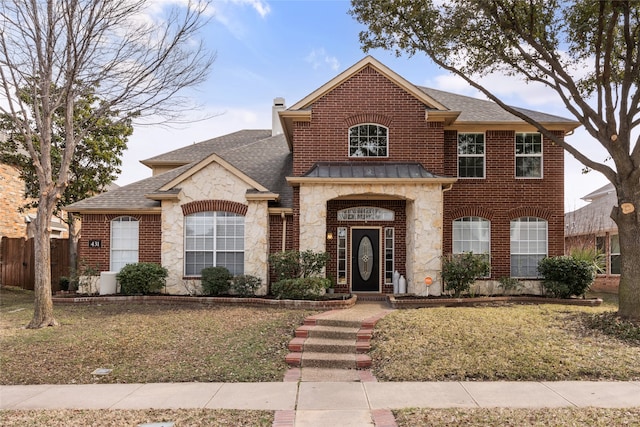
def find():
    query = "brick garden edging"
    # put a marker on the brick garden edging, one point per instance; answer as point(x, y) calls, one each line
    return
point(418, 302)
point(179, 299)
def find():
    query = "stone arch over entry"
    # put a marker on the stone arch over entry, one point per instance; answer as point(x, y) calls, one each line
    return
point(423, 221)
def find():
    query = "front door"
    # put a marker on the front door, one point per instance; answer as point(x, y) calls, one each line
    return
point(365, 260)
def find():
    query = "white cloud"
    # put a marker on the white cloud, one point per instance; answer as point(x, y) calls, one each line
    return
point(319, 58)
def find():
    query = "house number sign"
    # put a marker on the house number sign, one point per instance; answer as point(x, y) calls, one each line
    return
point(95, 243)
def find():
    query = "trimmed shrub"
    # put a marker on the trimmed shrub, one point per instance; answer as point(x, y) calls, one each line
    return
point(245, 285)
point(293, 264)
point(459, 271)
point(564, 276)
point(215, 280)
point(141, 278)
point(300, 288)
point(510, 285)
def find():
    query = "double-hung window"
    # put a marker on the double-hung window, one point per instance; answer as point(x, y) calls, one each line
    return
point(124, 242)
point(528, 155)
point(368, 140)
point(472, 234)
point(471, 154)
point(528, 246)
point(214, 239)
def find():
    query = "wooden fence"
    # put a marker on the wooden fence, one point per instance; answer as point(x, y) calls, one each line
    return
point(17, 256)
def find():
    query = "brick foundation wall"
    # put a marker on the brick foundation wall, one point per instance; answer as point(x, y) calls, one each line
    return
point(98, 227)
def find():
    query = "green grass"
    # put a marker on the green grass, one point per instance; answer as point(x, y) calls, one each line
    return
point(144, 343)
point(514, 342)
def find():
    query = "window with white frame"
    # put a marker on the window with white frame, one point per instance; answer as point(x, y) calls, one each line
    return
point(614, 254)
point(472, 234)
point(368, 140)
point(342, 255)
point(124, 242)
point(528, 155)
point(214, 239)
point(529, 239)
point(471, 155)
point(389, 237)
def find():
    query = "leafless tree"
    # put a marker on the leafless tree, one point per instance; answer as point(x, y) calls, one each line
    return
point(136, 57)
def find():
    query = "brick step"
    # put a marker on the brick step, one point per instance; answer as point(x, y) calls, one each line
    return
point(329, 345)
point(336, 332)
point(342, 323)
point(334, 360)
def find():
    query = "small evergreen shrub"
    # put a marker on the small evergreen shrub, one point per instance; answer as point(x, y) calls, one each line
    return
point(215, 280)
point(246, 285)
point(564, 276)
point(459, 271)
point(292, 264)
point(300, 288)
point(510, 285)
point(141, 278)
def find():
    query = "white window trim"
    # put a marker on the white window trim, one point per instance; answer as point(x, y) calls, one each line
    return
point(484, 155)
point(392, 252)
point(541, 155)
point(119, 219)
point(511, 253)
point(488, 253)
point(214, 251)
point(365, 213)
point(341, 243)
point(366, 157)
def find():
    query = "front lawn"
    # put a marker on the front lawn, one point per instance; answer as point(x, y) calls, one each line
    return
point(144, 343)
point(512, 342)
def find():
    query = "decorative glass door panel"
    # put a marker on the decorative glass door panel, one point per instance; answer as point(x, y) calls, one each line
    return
point(365, 260)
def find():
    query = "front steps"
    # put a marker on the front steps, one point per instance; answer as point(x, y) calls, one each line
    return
point(330, 343)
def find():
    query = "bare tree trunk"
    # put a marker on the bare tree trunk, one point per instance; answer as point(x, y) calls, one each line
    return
point(629, 233)
point(43, 304)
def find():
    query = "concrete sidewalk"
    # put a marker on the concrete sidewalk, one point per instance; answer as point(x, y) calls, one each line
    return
point(323, 396)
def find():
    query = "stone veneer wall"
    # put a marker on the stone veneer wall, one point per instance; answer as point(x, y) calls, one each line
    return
point(213, 183)
point(424, 224)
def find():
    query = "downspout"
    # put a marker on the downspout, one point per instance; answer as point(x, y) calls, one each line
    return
point(284, 231)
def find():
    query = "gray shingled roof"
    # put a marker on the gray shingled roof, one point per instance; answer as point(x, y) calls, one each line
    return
point(267, 159)
point(368, 170)
point(479, 110)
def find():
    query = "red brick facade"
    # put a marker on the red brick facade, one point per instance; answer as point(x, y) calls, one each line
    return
point(98, 227)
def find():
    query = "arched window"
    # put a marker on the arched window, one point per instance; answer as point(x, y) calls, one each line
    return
point(472, 234)
point(214, 239)
point(124, 242)
point(528, 246)
point(368, 140)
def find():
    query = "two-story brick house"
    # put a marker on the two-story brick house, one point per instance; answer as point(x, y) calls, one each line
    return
point(384, 175)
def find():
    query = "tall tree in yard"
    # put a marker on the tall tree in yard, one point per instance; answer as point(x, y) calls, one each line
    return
point(60, 52)
point(587, 51)
point(95, 164)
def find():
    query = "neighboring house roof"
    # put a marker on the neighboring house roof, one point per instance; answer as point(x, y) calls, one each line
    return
point(595, 217)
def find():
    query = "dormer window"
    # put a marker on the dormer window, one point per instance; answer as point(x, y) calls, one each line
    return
point(368, 140)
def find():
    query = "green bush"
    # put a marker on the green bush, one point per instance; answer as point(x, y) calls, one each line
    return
point(300, 288)
point(459, 271)
point(510, 285)
point(245, 285)
point(564, 276)
point(216, 280)
point(294, 264)
point(141, 278)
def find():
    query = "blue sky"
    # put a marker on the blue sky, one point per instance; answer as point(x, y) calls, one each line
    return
point(289, 48)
